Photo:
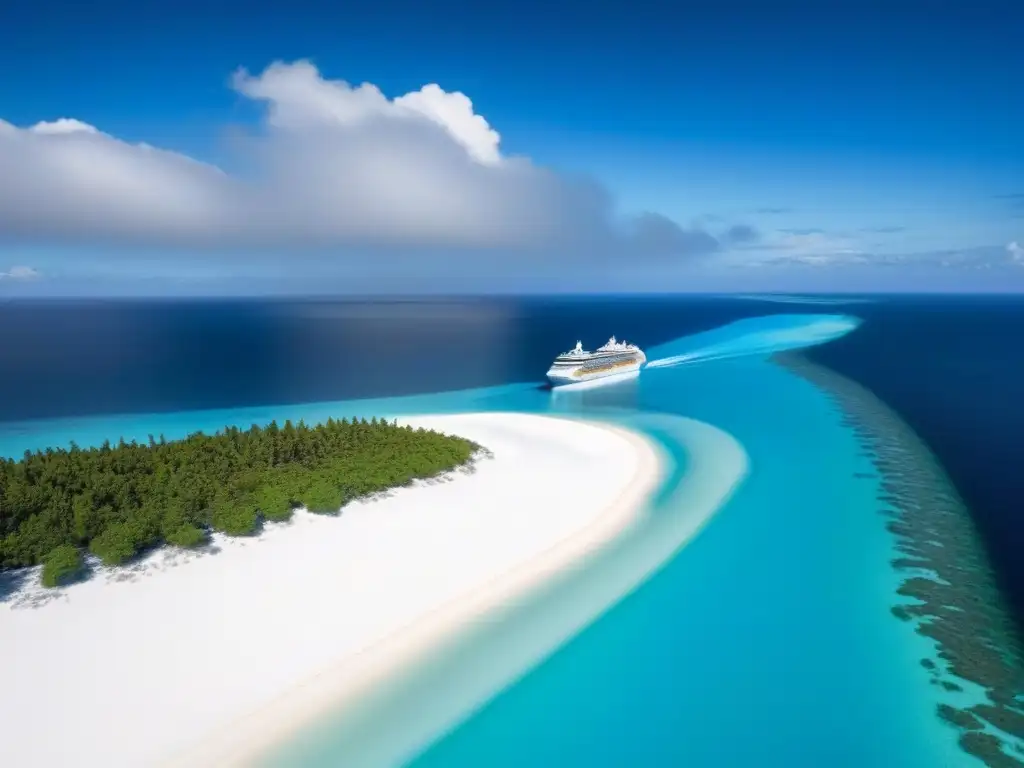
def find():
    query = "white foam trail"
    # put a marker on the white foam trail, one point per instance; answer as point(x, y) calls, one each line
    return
point(701, 357)
point(758, 336)
point(594, 383)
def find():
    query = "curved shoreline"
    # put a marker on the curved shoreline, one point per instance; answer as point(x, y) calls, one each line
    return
point(204, 664)
point(415, 709)
point(252, 738)
point(160, 656)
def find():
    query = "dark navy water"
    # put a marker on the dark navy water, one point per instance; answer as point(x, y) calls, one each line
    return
point(953, 367)
point(72, 358)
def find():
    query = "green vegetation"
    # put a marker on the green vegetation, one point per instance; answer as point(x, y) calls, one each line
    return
point(62, 565)
point(119, 500)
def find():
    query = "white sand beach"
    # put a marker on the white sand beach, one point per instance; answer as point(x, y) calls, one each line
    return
point(200, 659)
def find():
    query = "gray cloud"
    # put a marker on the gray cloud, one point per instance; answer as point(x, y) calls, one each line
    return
point(812, 243)
point(739, 234)
point(989, 257)
point(694, 241)
point(20, 273)
point(332, 165)
point(803, 231)
point(656, 235)
point(883, 230)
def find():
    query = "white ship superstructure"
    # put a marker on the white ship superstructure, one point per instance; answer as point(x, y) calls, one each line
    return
point(615, 357)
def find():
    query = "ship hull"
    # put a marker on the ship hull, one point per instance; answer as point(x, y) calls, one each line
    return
point(564, 377)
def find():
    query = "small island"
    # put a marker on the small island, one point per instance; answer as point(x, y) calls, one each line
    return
point(185, 657)
point(118, 501)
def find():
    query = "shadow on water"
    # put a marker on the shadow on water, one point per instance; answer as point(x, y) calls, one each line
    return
point(599, 395)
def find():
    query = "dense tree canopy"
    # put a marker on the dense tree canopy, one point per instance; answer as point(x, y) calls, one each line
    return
point(119, 500)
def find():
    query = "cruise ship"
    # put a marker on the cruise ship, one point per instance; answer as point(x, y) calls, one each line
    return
point(615, 357)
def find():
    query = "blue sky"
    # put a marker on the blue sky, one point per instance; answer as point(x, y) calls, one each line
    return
point(861, 146)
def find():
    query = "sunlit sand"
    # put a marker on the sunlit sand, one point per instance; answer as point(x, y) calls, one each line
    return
point(198, 658)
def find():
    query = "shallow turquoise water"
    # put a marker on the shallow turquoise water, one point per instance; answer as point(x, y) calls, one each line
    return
point(767, 640)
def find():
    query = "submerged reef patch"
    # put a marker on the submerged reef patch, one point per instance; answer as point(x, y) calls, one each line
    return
point(948, 591)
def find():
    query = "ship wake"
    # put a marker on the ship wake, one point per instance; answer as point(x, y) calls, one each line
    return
point(752, 336)
point(602, 381)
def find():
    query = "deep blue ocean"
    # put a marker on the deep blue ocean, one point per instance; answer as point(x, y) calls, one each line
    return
point(851, 604)
point(954, 370)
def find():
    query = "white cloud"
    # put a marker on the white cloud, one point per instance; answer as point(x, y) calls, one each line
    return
point(823, 259)
point(20, 273)
point(983, 258)
point(332, 164)
point(804, 247)
point(63, 125)
point(299, 98)
point(813, 244)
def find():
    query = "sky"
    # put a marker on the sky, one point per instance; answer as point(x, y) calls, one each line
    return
point(224, 148)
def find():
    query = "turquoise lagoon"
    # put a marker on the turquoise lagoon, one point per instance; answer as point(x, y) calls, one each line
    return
point(761, 636)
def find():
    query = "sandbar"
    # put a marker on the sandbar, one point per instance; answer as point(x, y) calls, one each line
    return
point(210, 658)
